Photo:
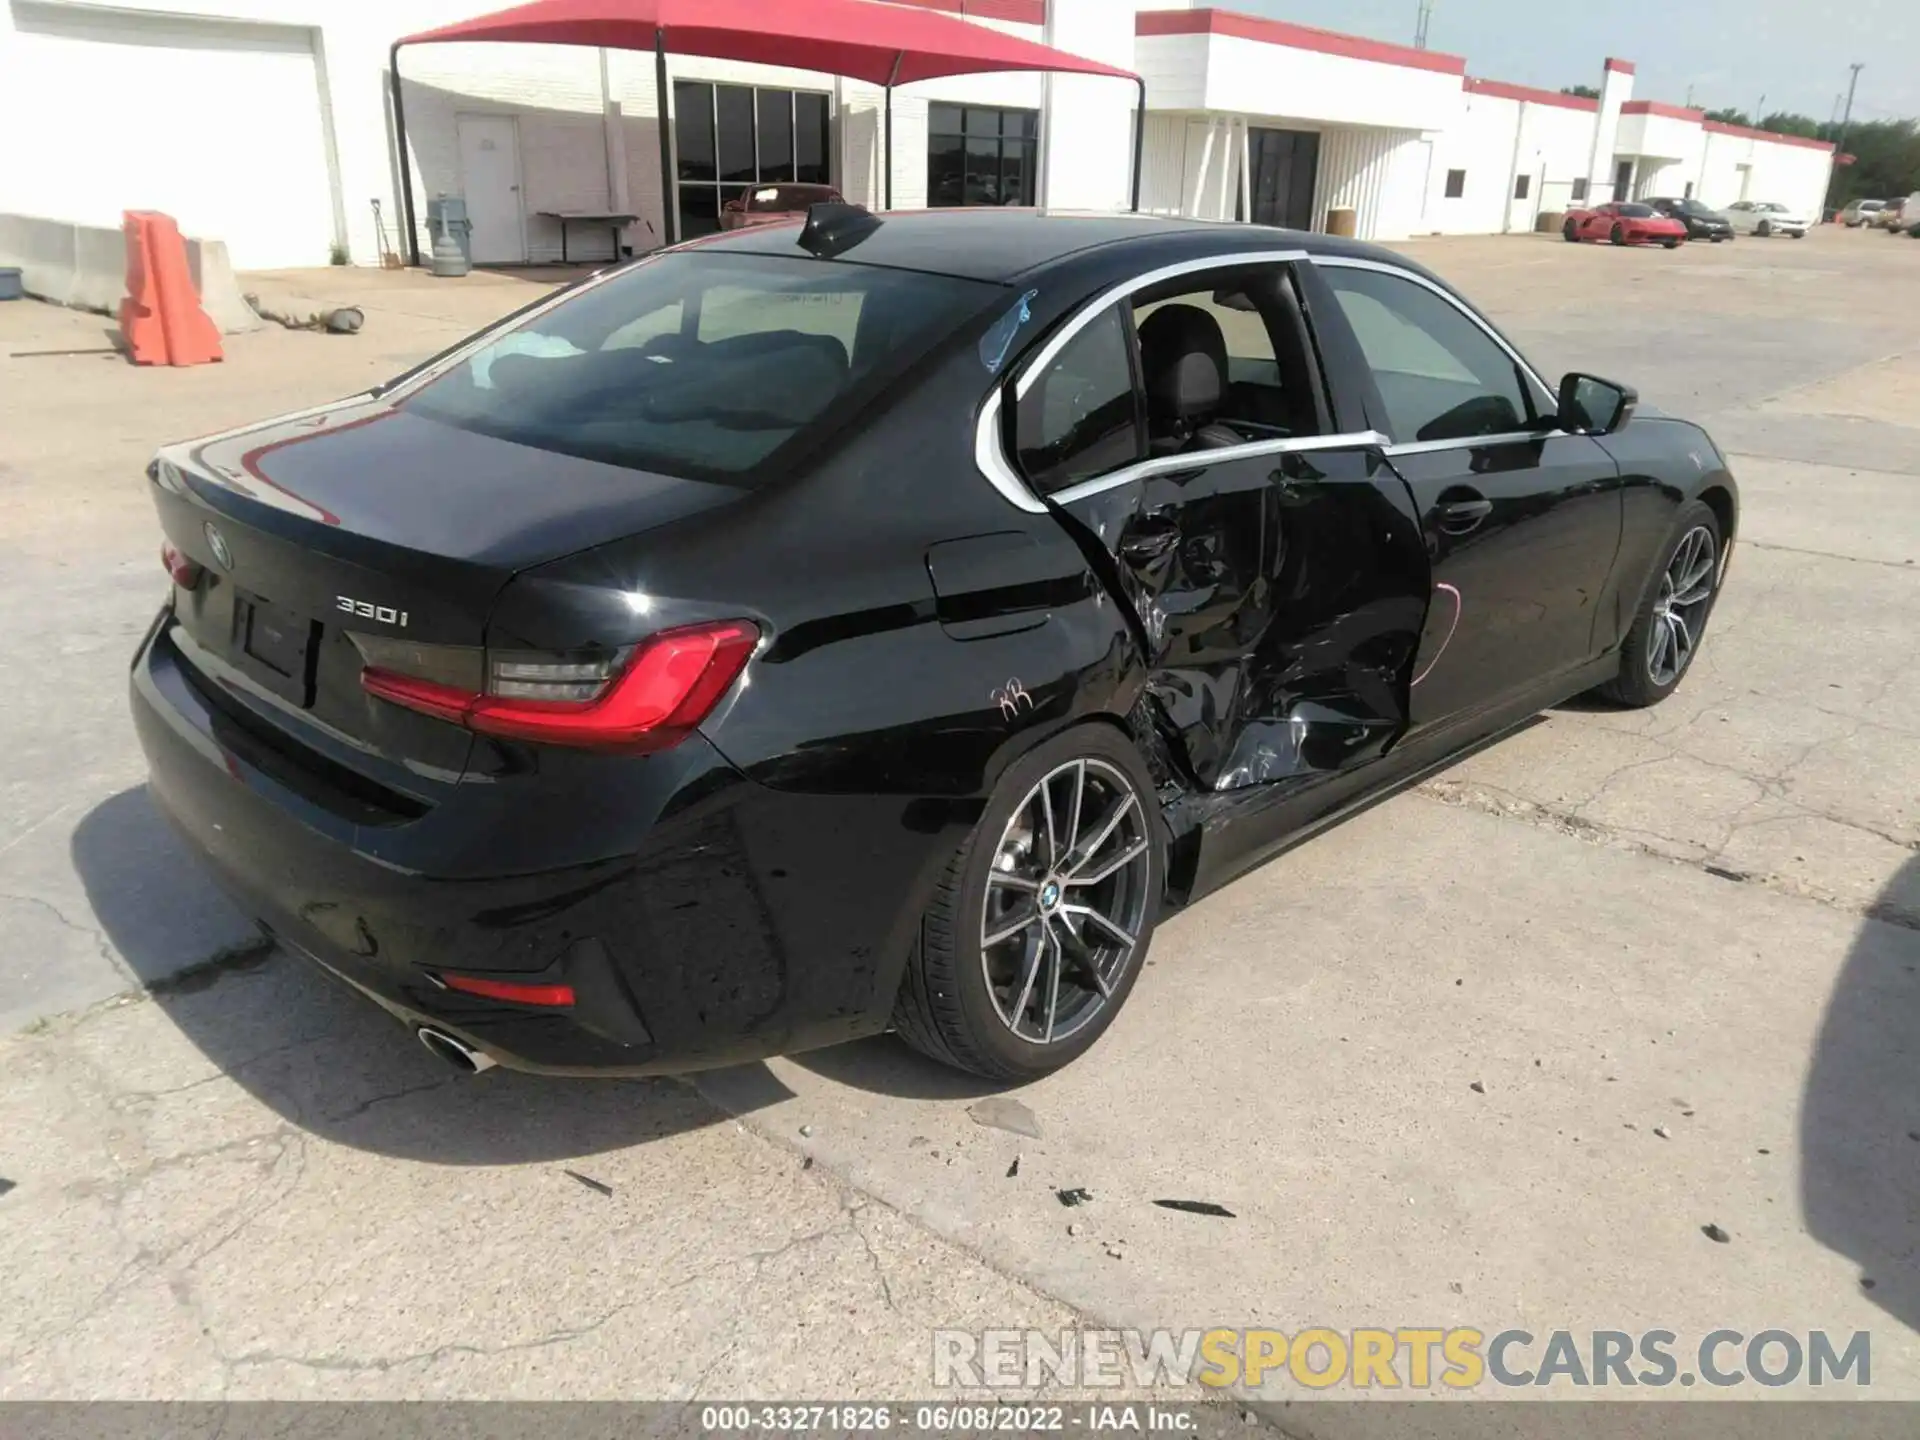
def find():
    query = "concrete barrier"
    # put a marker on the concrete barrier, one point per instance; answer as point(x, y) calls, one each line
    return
point(85, 266)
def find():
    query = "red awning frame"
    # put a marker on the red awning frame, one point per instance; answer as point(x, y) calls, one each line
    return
point(884, 44)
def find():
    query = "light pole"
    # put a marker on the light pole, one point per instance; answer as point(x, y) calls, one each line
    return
point(1421, 22)
point(1846, 124)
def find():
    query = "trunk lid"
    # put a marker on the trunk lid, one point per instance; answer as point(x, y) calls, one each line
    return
point(361, 527)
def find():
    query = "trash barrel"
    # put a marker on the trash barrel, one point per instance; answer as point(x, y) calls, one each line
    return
point(447, 223)
point(1341, 220)
point(12, 287)
point(449, 213)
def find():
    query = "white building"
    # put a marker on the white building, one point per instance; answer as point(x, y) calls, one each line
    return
point(267, 123)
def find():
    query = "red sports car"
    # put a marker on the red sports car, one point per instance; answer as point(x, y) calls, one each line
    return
point(1625, 223)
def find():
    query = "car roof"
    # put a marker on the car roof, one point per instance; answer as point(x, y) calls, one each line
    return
point(1002, 244)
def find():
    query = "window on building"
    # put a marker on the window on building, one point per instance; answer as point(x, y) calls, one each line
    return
point(980, 156)
point(1579, 190)
point(731, 138)
point(1439, 374)
point(1456, 184)
point(1522, 187)
point(1082, 416)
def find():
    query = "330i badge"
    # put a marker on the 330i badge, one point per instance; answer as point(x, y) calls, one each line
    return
point(882, 621)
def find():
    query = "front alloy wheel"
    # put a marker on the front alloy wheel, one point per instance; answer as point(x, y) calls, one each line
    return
point(1040, 926)
point(1680, 608)
point(1666, 634)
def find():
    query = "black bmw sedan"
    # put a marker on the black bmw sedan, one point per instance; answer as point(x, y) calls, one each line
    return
point(1702, 221)
point(882, 622)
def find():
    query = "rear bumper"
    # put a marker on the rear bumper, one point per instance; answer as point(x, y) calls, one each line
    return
point(721, 928)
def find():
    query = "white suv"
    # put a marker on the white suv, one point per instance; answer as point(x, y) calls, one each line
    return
point(1861, 212)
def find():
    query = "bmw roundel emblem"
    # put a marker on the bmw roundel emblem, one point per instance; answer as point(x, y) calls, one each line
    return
point(219, 543)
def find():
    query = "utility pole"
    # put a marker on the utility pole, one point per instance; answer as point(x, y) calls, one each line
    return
point(1689, 97)
point(1846, 120)
point(1758, 111)
point(1421, 24)
point(1846, 124)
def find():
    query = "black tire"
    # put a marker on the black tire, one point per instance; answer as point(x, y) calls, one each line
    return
point(1619, 236)
point(1636, 685)
point(1764, 230)
point(1571, 235)
point(945, 1008)
point(1673, 244)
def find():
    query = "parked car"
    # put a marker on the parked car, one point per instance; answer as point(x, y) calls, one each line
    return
point(1703, 222)
point(1906, 216)
point(883, 622)
point(1861, 212)
point(1624, 222)
point(772, 204)
point(1893, 219)
point(1767, 217)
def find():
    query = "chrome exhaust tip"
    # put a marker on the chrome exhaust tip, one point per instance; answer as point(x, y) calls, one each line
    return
point(457, 1053)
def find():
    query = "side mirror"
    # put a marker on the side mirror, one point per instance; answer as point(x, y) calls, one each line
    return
point(1592, 406)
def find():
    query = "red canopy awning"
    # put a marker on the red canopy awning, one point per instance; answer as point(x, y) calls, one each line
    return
point(868, 40)
point(864, 39)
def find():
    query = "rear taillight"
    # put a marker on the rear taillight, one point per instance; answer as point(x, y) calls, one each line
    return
point(645, 699)
point(186, 573)
point(510, 990)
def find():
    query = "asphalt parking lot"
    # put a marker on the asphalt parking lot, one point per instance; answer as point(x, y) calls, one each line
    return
point(1491, 1054)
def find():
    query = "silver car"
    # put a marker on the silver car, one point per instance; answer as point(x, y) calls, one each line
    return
point(1767, 217)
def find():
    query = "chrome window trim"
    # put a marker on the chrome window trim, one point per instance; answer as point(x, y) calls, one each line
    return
point(1091, 311)
point(1474, 442)
point(1197, 459)
point(1346, 262)
point(989, 456)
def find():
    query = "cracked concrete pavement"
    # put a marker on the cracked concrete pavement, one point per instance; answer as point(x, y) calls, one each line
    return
point(246, 1182)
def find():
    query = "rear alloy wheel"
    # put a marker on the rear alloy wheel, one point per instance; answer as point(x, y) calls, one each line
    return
point(1619, 236)
point(1666, 634)
point(1571, 233)
point(1039, 928)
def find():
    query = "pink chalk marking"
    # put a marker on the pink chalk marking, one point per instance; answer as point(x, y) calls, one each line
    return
point(1450, 629)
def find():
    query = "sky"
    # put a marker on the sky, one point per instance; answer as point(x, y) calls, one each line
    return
point(1730, 52)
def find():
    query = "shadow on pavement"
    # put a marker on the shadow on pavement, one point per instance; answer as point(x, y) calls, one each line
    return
point(1860, 1116)
point(330, 1061)
point(887, 1065)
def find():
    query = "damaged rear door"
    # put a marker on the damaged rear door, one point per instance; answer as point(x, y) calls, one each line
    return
point(1269, 563)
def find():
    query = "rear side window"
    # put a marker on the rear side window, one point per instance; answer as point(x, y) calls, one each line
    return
point(701, 364)
point(1081, 417)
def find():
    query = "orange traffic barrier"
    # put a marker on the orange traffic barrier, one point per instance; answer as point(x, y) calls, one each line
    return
point(161, 316)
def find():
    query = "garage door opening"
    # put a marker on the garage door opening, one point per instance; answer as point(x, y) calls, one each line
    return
point(222, 125)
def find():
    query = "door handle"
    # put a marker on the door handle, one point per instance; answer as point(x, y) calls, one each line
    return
point(1458, 517)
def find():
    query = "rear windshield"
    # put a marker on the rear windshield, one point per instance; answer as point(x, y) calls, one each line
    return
point(701, 364)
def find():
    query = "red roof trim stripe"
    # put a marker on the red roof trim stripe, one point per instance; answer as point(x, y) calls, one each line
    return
point(1623, 67)
point(1021, 12)
point(1294, 37)
point(1501, 90)
point(1660, 107)
point(1716, 127)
